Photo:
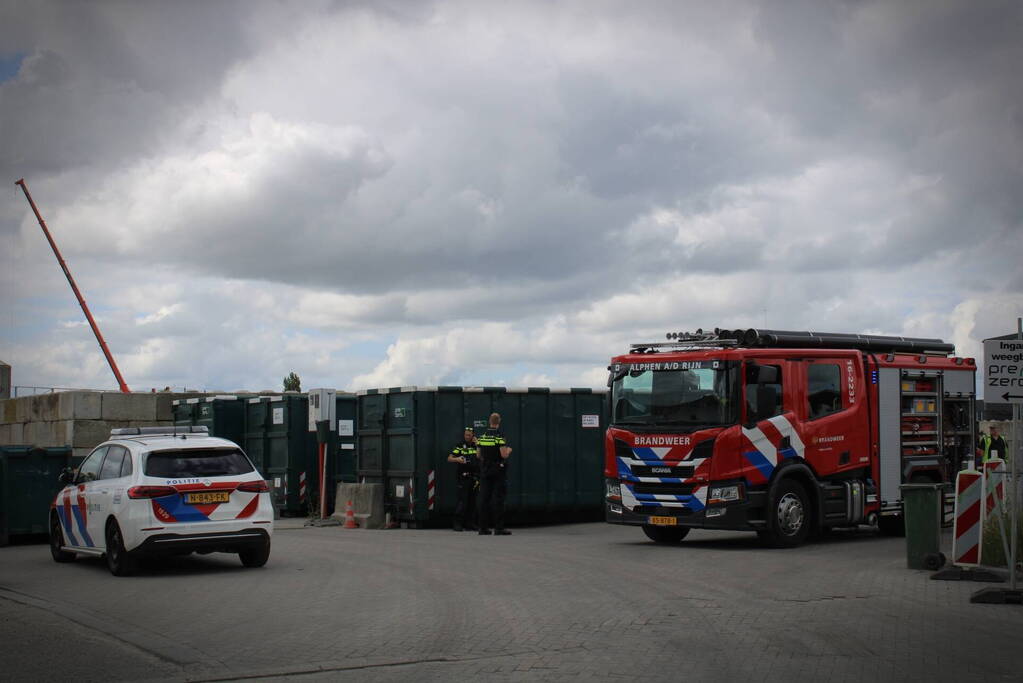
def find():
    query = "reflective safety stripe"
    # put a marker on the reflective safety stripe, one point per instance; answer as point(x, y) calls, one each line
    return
point(966, 529)
point(491, 441)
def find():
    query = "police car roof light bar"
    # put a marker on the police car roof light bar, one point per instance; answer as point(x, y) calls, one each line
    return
point(159, 431)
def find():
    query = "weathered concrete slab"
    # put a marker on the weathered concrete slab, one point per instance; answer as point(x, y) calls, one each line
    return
point(80, 405)
point(367, 503)
point(21, 409)
point(8, 411)
point(90, 433)
point(17, 434)
point(45, 407)
point(44, 434)
point(118, 406)
point(5, 435)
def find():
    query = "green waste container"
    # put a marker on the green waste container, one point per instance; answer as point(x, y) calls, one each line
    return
point(921, 510)
point(183, 411)
point(223, 416)
point(555, 472)
point(28, 484)
point(254, 443)
point(290, 459)
point(341, 467)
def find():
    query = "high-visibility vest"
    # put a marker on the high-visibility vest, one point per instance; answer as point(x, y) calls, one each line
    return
point(985, 444)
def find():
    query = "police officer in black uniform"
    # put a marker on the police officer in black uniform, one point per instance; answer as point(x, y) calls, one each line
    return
point(466, 480)
point(493, 451)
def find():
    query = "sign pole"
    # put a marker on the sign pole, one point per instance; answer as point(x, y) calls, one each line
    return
point(1002, 370)
point(1014, 517)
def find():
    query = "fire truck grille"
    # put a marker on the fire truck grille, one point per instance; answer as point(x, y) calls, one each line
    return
point(663, 489)
point(683, 472)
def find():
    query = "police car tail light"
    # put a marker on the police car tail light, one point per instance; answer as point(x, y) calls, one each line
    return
point(258, 486)
point(151, 491)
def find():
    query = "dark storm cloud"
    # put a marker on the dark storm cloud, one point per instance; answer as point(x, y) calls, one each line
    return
point(381, 166)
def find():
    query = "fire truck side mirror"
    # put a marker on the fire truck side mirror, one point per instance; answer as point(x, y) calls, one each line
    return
point(767, 374)
point(767, 402)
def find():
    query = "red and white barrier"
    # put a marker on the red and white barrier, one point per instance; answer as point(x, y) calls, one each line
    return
point(411, 498)
point(994, 495)
point(967, 525)
point(994, 486)
point(431, 490)
point(301, 487)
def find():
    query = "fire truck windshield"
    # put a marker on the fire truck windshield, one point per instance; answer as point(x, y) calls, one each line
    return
point(695, 397)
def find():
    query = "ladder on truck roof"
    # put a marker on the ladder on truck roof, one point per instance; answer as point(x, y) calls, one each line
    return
point(754, 338)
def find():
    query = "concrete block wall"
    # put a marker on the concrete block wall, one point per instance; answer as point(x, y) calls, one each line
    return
point(81, 419)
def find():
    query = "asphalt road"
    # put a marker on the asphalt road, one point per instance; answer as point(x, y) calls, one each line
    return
point(548, 603)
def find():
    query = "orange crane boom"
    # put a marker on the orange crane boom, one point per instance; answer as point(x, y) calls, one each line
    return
point(74, 288)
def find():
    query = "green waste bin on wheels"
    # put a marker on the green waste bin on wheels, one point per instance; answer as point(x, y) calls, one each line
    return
point(921, 510)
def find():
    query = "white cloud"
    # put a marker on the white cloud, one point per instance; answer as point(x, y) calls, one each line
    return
point(452, 193)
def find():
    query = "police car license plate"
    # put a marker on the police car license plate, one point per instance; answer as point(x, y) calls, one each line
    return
point(208, 497)
point(664, 521)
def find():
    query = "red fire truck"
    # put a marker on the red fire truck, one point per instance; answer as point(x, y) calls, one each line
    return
point(783, 433)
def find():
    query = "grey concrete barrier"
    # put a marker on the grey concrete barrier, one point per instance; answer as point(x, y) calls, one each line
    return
point(367, 502)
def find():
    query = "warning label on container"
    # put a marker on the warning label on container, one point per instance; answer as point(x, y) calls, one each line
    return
point(278, 416)
point(346, 427)
point(591, 421)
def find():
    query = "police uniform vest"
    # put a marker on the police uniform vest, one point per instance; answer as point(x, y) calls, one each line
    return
point(471, 466)
point(490, 444)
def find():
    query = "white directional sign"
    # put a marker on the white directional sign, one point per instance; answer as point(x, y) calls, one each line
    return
point(1003, 371)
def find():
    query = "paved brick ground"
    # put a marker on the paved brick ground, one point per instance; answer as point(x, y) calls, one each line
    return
point(548, 603)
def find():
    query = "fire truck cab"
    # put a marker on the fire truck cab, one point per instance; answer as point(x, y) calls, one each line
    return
point(783, 433)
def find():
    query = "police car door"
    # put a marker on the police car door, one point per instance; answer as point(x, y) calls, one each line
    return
point(103, 491)
point(82, 522)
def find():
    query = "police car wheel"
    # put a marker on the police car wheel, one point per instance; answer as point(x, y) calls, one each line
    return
point(57, 540)
point(789, 516)
point(665, 534)
point(119, 561)
point(255, 557)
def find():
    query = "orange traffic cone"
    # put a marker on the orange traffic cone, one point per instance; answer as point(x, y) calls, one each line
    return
point(350, 522)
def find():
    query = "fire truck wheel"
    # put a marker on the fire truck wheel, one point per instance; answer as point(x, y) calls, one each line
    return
point(663, 534)
point(789, 516)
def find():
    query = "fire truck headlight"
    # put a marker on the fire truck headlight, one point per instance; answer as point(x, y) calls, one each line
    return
point(614, 489)
point(725, 494)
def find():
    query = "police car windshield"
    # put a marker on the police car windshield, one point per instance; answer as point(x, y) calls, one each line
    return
point(197, 463)
point(697, 394)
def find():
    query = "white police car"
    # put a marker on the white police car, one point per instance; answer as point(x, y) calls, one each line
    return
point(157, 491)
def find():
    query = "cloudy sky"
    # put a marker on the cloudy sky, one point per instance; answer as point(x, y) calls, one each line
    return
point(391, 193)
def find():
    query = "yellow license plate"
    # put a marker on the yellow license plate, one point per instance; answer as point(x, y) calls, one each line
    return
point(208, 497)
point(664, 521)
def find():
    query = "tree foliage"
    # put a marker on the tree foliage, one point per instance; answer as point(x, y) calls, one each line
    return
point(292, 382)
